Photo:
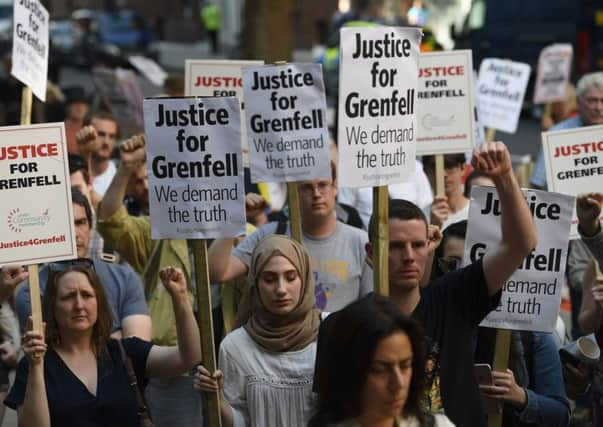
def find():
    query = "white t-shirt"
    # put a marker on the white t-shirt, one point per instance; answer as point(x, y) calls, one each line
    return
point(265, 388)
point(101, 182)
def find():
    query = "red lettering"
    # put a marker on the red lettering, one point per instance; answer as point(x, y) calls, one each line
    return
point(13, 152)
point(453, 70)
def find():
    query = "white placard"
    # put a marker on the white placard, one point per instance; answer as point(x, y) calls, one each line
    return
point(149, 68)
point(574, 163)
point(445, 122)
point(219, 78)
point(531, 296)
point(377, 89)
point(194, 167)
point(500, 91)
point(30, 45)
point(554, 66)
point(287, 130)
point(36, 216)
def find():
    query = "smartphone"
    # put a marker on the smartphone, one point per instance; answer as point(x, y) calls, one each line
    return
point(483, 375)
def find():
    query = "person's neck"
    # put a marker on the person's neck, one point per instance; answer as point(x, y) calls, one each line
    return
point(99, 166)
point(372, 421)
point(406, 300)
point(74, 343)
point(457, 201)
point(319, 227)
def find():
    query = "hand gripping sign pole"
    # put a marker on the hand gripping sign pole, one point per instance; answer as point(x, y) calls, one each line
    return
point(206, 325)
point(501, 363)
point(32, 269)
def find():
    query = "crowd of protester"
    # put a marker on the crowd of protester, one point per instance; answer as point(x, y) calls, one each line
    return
point(302, 338)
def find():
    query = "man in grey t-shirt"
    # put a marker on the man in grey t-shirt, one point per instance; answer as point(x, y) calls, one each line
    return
point(337, 250)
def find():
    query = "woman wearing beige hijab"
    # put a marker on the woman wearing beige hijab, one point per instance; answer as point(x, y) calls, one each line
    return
point(267, 365)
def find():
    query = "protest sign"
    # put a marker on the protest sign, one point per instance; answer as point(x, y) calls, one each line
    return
point(445, 122)
point(219, 78)
point(148, 68)
point(500, 91)
point(194, 167)
point(553, 76)
point(286, 123)
point(37, 215)
point(574, 162)
point(531, 296)
point(30, 45)
point(377, 89)
point(120, 92)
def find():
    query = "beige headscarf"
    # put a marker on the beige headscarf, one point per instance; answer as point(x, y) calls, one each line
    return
point(291, 331)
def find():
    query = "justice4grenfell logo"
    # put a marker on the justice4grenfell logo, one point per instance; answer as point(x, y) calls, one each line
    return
point(18, 220)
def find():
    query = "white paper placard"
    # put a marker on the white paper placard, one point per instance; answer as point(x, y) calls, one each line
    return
point(30, 45)
point(573, 160)
point(194, 167)
point(219, 78)
point(287, 130)
point(36, 223)
point(500, 92)
point(149, 68)
point(445, 115)
point(554, 67)
point(377, 99)
point(531, 296)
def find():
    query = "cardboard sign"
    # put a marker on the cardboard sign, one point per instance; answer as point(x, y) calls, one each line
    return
point(531, 296)
point(500, 91)
point(37, 215)
point(120, 91)
point(445, 122)
point(219, 78)
point(286, 123)
point(377, 100)
point(574, 162)
point(30, 46)
point(194, 166)
point(553, 76)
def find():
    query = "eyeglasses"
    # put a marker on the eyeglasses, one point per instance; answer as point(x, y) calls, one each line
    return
point(448, 264)
point(70, 265)
point(309, 189)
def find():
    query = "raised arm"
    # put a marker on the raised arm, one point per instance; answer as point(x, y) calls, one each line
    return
point(588, 208)
point(34, 411)
point(223, 266)
point(518, 228)
point(172, 361)
point(132, 156)
point(591, 310)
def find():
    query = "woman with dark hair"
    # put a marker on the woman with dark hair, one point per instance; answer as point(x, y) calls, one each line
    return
point(266, 366)
point(370, 369)
point(75, 374)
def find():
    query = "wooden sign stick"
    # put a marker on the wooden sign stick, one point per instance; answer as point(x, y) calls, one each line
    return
point(380, 240)
point(501, 363)
point(206, 325)
point(32, 270)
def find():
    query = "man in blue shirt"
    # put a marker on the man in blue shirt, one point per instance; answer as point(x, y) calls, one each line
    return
point(125, 294)
point(590, 112)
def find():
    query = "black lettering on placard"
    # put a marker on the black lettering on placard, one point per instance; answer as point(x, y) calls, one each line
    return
point(194, 136)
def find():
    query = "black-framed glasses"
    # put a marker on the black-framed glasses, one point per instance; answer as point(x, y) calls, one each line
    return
point(448, 264)
point(72, 264)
